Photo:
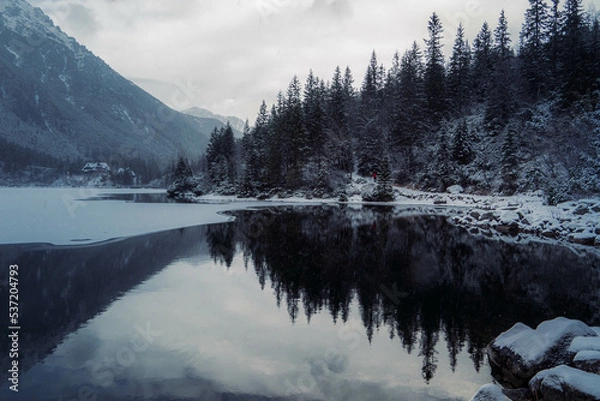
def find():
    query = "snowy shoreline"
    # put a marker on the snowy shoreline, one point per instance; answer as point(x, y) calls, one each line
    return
point(518, 218)
point(64, 216)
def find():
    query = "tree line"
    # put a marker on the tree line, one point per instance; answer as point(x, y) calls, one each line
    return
point(412, 123)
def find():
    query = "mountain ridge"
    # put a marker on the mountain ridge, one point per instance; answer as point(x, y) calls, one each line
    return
point(60, 99)
point(236, 123)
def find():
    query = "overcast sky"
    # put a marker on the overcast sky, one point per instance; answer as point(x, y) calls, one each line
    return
point(229, 55)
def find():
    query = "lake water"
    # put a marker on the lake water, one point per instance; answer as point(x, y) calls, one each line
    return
point(284, 303)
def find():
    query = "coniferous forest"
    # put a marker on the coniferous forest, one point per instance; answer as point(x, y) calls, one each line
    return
point(502, 114)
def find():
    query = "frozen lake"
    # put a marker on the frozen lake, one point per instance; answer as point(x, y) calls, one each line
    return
point(282, 303)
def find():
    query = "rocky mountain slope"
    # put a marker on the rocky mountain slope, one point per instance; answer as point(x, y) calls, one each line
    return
point(58, 98)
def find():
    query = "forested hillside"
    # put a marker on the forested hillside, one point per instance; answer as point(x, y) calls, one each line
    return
point(501, 114)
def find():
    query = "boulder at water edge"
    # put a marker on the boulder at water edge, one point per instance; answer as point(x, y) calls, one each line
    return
point(489, 392)
point(564, 383)
point(521, 352)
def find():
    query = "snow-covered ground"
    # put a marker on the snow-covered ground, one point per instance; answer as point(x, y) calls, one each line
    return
point(518, 218)
point(67, 216)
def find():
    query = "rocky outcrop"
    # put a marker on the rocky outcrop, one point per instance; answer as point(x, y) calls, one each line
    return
point(588, 361)
point(558, 361)
point(564, 383)
point(521, 352)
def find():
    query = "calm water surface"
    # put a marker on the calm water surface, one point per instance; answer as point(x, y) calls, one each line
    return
point(288, 303)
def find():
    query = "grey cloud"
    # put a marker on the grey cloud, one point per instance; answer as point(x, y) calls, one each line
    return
point(332, 8)
point(82, 20)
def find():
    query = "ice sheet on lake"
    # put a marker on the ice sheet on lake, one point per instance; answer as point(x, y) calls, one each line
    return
point(66, 216)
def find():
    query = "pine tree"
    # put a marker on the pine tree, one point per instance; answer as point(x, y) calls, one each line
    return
point(501, 94)
point(384, 191)
point(250, 163)
point(348, 83)
point(554, 38)
point(314, 116)
point(220, 155)
point(434, 70)
point(462, 150)
point(411, 126)
point(295, 141)
point(575, 72)
point(276, 146)
point(183, 182)
point(510, 162)
point(502, 38)
point(339, 147)
point(483, 61)
point(458, 74)
point(372, 82)
point(443, 162)
point(370, 134)
point(392, 99)
point(182, 171)
point(534, 37)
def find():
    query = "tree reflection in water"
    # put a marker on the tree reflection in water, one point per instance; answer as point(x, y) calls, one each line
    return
point(419, 278)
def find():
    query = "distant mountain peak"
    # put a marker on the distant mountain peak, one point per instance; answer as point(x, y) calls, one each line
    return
point(235, 122)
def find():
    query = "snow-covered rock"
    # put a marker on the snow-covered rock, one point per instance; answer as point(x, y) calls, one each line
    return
point(583, 238)
point(588, 361)
point(455, 189)
point(519, 353)
point(564, 383)
point(489, 392)
point(584, 344)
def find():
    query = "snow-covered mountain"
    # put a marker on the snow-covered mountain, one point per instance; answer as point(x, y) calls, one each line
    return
point(58, 98)
point(236, 123)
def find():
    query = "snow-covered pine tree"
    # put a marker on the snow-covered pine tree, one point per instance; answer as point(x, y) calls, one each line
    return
point(510, 162)
point(576, 71)
point(462, 148)
point(501, 94)
point(339, 144)
point(370, 122)
point(435, 76)
point(384, 191)
point(183, 182)
point(458, 72)
point(294, 136)
point(483, 62)
point(534, 36)
point(443, 168)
